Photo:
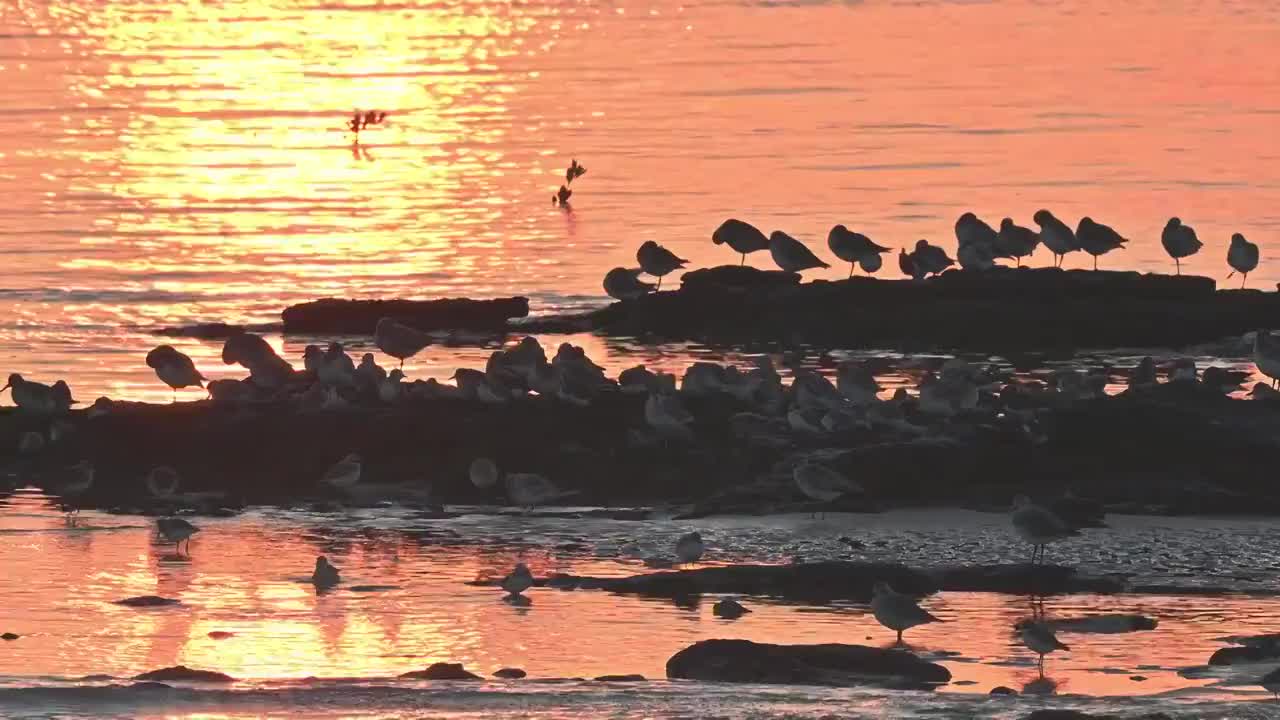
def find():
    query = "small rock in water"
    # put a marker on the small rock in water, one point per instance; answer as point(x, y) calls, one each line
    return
point(729, 609)
point(221, 634)
point(150, 686)
point(183, 673)
point(148, 601)
point(10, 636)
point(1002, 690)
point(510, 673)
point(442, 671)
point(1138, 678)
point(621, 678)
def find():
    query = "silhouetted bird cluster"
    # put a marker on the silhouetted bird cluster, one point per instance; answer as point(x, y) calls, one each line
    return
point(362, 120)
point(573, 172)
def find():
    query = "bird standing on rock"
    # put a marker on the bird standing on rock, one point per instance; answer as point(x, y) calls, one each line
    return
point(399, 340)
point(1056, 235)
point(1242, 256)
point(791, 255)
point(1097, 239)
point(625, 284)
point(689, 548)
point(1179, 241)
point(910, 266)
point(853, 247)
point(1015, 240)
point(31, 396)
point(743, 237)
point(174, 368)
point(658, 261)
point(931, 259)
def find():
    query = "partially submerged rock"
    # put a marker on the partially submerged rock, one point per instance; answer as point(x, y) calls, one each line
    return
point(10, 636)
point(339, 316)
point(148, 601)
point(510, 673)
point(441, 671)
point(831, 664)
point(621, 678)
point(182, 673)
point(1104, 624)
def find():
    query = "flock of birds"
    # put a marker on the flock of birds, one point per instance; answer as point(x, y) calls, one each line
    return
point(979, 246)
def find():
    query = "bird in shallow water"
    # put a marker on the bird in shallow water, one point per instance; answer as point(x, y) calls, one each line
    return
point(1242, 256)
point(70, 484)
point(743, 237)
point(325, 575)
point(399, 340)
point(1266, 355)
point(1179, 241)
point(658, 261)
point(176, 530)
point(625, 284)
point(690, 548)
point(1039, 638)
point(1056, 235)
point(1015, 240)
point(174, 368)
point(853, 247)
point(1038, 526)
point(518, 581)
point(896, 611)
point(573, 172)
point(562, 196)
point(791, 255)
point(1097, 239)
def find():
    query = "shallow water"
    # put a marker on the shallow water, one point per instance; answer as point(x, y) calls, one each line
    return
point(325, 654)
point(165, 162)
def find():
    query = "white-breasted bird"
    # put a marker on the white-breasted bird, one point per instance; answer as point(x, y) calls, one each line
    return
point(1266, 355)
point(1038, 526)
point(1040, 639)
point(690, 548)
point(896, 611)
point(821, 483)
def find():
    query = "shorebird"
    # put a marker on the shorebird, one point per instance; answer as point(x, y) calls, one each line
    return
point(624, 284)
point(970, 230)
point(70, 483)
point(229, 391)
point(976, 256)
point(1097, 239)
point(852, 247)
point(743, 237)
point(336, 367)
point(266, 368)
point(518, 581)
point(689, 548)
point(1242, 256)
point(658, 261)
point(822, 483)
point(483, 473)
point(1039, 638)
point(163, 481)
point(368, 373)
point(574, 171)
point(1179, 241)
point(931, 259)
point(562, 196)
point(343, 474)
point(389, 390)
point(1271, 683)
point(62, 400)
point(791, 255)
point(1016, 240)
point(857, 383)
point(325, 575)
point(1056, 235)
point(528, 490)
point(896, 611)
point(1038, 526)
point(174, 368)
point(1266, 355)
point(30, 396)
point(910, 266)
point(176, 530)
point(870, 263)
point(398, 340)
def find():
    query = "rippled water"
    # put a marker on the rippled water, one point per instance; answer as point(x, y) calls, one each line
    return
point(295, 649)
point(166, 162)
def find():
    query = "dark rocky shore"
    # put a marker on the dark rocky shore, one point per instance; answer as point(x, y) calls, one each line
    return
point(1175, 448)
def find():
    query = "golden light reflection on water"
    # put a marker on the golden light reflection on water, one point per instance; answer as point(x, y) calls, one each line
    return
point(247, 576)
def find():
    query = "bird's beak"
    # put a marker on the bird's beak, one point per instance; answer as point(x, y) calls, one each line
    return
point(6, 387)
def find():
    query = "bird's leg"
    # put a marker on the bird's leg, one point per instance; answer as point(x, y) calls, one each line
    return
point(660, 277)
point(899, 637)
point(1041, 664)
point(1178, 264)
point(851, 269)
point(744, 260)
point(1095, 262)
point(1243, 280)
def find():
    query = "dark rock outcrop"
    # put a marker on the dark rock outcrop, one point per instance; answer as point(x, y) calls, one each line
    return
point(360, 317)
point(1104, 624)
point(1088, 309)
point(441, 671)
point(10, 636)
point(182, 673)
point(621, 678)
point(831, 664)
point(1244, 654)
point(510, 673)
